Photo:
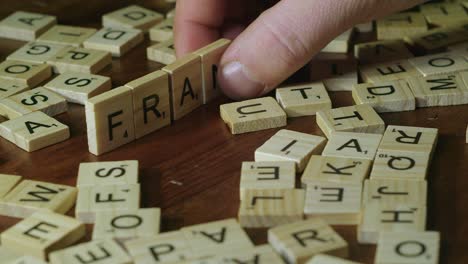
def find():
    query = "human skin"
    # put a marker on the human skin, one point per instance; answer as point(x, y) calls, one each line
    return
point(269, 49)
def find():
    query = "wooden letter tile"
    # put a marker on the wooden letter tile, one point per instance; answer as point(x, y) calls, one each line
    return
point(297, 242)
point(186, 85)
point(437, 64)
point(27, 260)
point(11, 87)
point(7, 182)
point(356, 118)
point(334, 169)
point(82, 60)
point(263, 254)
point(105, 198)
point(439, 37)
point(288, 145)
point(408, 248)
point(38, 52)
point(390, 217)
point(210, 57)
point(32, 196)
point(216, 238)
point(253, 115)
point(352, 145)
point(163, 31)
point(34, 131)
point(109, 120)
point(38, 99)
point(394, 164)
point(41, 233)
point(116, 41)
point(25, 73)
point(399, 25)
point(170, 247)
point(337, 73)
point(151, 102)
point(303, 100)
point(271, 207)
point(388, 71)
point(409, 139)
point(381, 51)
point(340, 44)
point(67, 35)
point(132, 16)
point(25, 25)
point(78, 87)
point(440, 90)
point(388, 191)
point(163, 52)
point(107, 173)
point(124, 225)
point(103, 251)
point(393, 96)
point(336, 203)
point(267, 175)
point(325, 259)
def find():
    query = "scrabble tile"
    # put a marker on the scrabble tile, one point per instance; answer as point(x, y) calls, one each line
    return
point(409, 139)
point(408, 248)
point(297, 242)
point(395, 164)
point(25, 73)
point(170, 247)
point(107, 173)
point(439, 37)
point(356, 118)
point(303, 100)
point(440, 90)
point(443, 14)
point(263, 254)
point(388, 71)
point(11, 87)
point(162, 31)
point(389, 217)
point(352, 145)
point(381, 51)
point(8, 256)
point(439, 64)
point(171, 13)
point(336, 170)
point(34, 131)
point(443, 20)
point(132, 16)
point(340, 44)
point(42, 233)
point(163, 52)
point(25, 25)
point(271, 207)
point(78, 87)
point(38, 99)
point(389, 191)
point(267, 175)
point(30, 196)
point(82, 60)
point(27, 260)
point(151, 102)
point(210, 56)
point(7, 183)
point(109, 120)
point(105, 251)
point(336, 73)
point(185, 79)
point(67, 35)
point(38, 52)
point(125, 225)
point(399, 25)
point(105, 198)
point(253, 115)
point(365, 27)
point(215, 238)
point(336, 203)
point(288, 145)
point(393, 96)
point(116, 41)
point(325, 259)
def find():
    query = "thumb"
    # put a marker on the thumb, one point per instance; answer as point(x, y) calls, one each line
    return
point(287, 36)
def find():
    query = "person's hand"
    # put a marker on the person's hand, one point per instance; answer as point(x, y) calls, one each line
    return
point(279, 42)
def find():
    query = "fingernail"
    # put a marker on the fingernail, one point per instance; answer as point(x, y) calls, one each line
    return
point(237, 83)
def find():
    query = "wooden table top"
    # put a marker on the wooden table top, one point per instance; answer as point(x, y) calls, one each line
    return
point(191, 169)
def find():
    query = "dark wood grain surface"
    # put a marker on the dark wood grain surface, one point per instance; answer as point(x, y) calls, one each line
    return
point(191, 169)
